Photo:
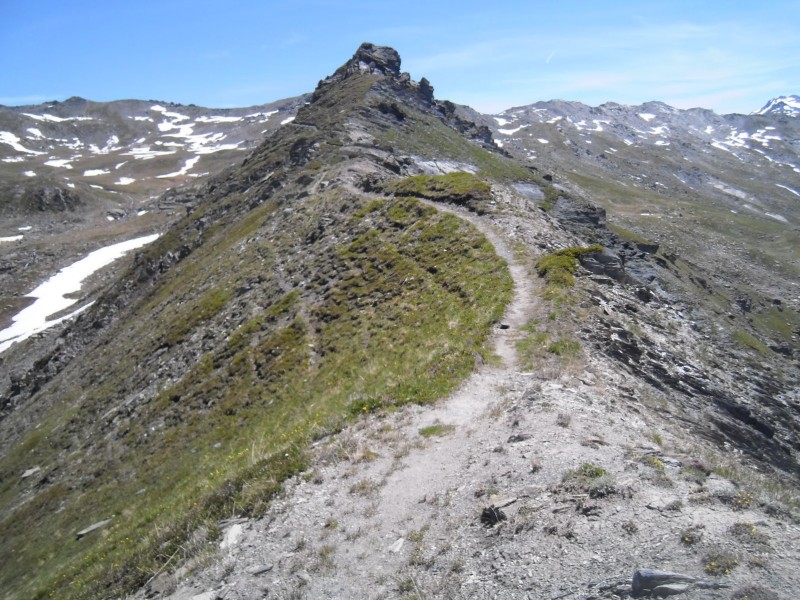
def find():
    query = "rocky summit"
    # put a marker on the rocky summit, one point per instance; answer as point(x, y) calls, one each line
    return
point(367, 343)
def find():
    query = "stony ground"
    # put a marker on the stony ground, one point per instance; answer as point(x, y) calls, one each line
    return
point(552, 483)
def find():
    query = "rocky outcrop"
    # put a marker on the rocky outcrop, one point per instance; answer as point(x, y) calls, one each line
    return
point(369, 59)
point(35, 197)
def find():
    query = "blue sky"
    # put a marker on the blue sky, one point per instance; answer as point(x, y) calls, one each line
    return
point(727, 56)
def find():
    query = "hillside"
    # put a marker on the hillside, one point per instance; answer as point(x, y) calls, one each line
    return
point(403, 350)
point(76, 175)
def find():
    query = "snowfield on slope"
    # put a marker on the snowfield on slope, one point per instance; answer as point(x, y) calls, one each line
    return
point(51, 295)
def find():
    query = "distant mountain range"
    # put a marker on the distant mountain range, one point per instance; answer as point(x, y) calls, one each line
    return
point(783, 105)
point(129, 147)
point(101, 150)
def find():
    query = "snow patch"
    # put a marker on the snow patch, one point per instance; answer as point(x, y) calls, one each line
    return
point(263, 115)
point(125, 181)
point(29, 174)
point(762, 137)
point(501, 121)
point(287, 120)
point(55, 119)
point(95, 172)
point(25, 228)
point(61, 163)
point(35, 133)
point(111, 146)
point(543, 141)
point(777, 217)
point(731, 190)
point(11, 238)
point(50, 295)
point(6, 137)
point(186, 167)
point(795, 192)
point(217, 119)
point(646, 116)
point(145, 153)
point(512, 131)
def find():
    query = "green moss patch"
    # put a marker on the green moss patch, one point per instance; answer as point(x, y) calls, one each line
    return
point(436, 430)
point(559, 267)
point(460, 188)
point(747, 340)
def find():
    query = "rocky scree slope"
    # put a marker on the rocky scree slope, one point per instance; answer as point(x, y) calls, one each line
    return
point(305, 286)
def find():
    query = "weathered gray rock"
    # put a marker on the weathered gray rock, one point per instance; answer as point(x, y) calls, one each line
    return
point(30, 472)
point(645, 581)
point(662, 584)
point(670, 589)
point(261, 569)
point(93, 527)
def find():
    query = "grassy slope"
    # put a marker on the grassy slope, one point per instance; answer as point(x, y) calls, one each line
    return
point(410, 298)
point(291, 315)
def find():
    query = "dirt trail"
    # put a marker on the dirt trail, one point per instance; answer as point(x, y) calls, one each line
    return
point(388, 512)
point(428, 470)
point(400, 491)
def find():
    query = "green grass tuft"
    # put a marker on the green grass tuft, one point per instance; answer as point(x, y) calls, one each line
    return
point(746, 340)
point(460, 188)
point(559, 267)
point(436, 430)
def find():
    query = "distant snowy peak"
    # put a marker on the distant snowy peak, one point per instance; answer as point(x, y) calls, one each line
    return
point(783, 105)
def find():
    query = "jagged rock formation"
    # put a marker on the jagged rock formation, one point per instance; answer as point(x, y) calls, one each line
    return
point(326, 278)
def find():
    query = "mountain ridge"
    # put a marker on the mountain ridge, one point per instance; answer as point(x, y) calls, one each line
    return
point(306, 286)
